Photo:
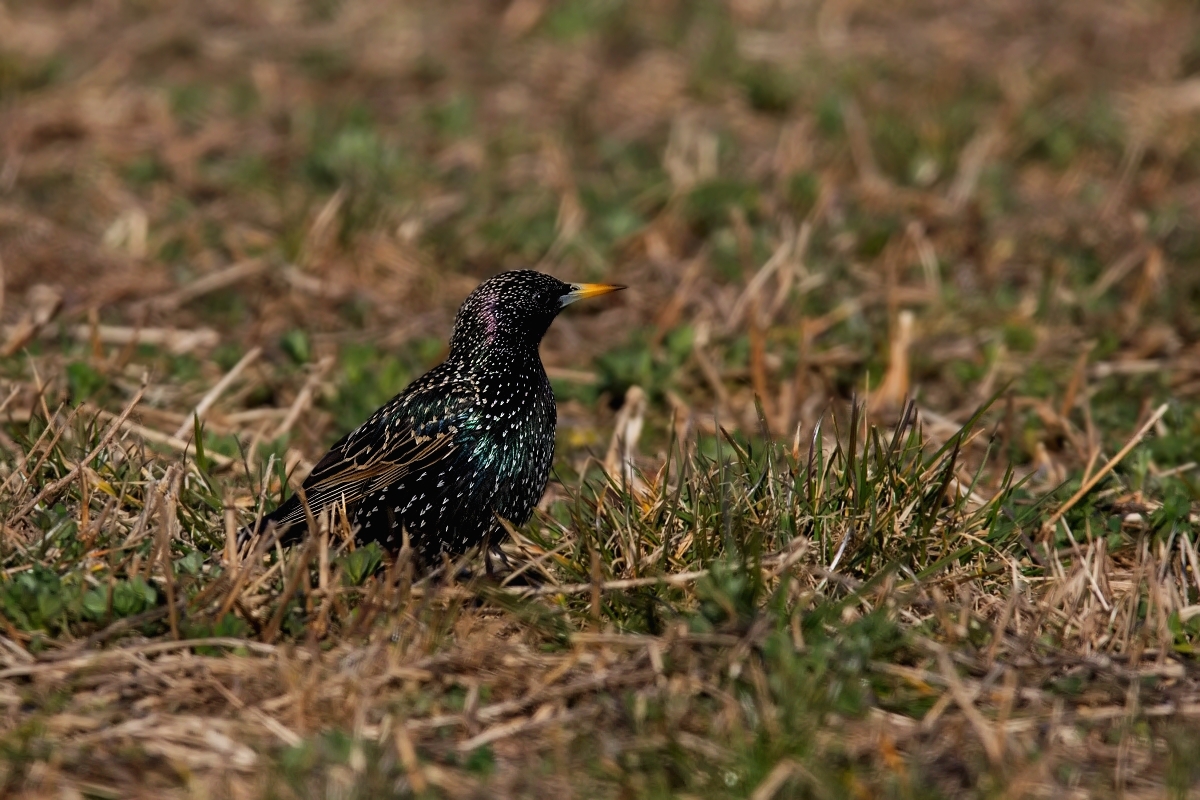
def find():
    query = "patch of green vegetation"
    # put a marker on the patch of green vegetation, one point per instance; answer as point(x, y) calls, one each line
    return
point(242, 98)
point(896, 144)
point(967, 373)
point(573, 19)
point(1043, 380)
point(795, 688)
point(83, 381)
point(768, 89)
point(1183, 771)
point(335, 762)
point(355, 155)
point(39, 599)
point(1050, 136)
point(20, 74)
point(712, 38)
point(226, 307)
point(248, 171)
point(190, 103)
point(326, 63)
point(360, 564)
point(998, 196)
point(226, 355)
point(1020, 336)
point(1102, 127)
point(615, 213)
point(708, 205)
point(802, 191)
point(322, 10)
point(369, 378)
point(146, 169)
point(348, 152)
point(636, 364)
point(228, 626)
point(873, 232)
point(481, 761)
point(455, 117)
point(830, 122)
point(296, 345)
point(123, 598)
point(844, 503)
point(524, 226)
point(1182, 443)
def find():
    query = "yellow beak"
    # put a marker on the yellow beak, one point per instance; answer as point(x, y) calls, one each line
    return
point(582, 291)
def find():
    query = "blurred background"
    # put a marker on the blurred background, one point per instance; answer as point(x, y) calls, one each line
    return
point(810, 201)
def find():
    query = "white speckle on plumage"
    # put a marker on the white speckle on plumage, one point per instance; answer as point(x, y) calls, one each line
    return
point(478, 428)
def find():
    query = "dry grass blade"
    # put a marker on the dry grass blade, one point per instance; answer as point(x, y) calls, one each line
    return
point(514, 727)
point(101, 658)
point(985, 732)
point(215, 281)
point(170, 492)
point(676, 579)
point(55, 488)
point(211, 396)
point(303, 398)
point(158, 437)
point(174, 340)
point(1107, 468)
point(44, 303)
point(780, 774)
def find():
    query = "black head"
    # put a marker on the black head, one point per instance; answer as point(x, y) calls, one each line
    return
point(514, 310)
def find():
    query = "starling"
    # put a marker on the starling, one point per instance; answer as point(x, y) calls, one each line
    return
point(467, 442)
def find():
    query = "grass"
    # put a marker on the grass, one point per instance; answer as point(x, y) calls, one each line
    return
point(880, 481)
point(748, 616)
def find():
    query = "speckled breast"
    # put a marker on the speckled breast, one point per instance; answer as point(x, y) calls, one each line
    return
point(518, 439)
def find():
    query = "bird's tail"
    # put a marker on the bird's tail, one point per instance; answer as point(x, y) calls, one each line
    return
point(289, 533)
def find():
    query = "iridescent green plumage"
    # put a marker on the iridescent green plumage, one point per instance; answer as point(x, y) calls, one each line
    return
point(469, 441)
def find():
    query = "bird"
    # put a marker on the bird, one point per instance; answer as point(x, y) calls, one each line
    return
point(465, 445)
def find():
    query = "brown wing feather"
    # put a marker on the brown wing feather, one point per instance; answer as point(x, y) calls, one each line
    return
point(341, 478)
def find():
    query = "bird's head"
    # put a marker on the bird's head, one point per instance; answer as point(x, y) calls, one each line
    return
point(514, 309)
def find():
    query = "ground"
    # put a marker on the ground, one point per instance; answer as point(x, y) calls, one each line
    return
point(879, 481)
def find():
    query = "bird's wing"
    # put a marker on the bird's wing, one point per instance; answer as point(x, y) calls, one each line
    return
point(377, 454)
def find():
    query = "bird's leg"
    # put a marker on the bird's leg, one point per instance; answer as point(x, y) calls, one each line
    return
point(499, 551)
point(491, 547)
point(494, 550)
